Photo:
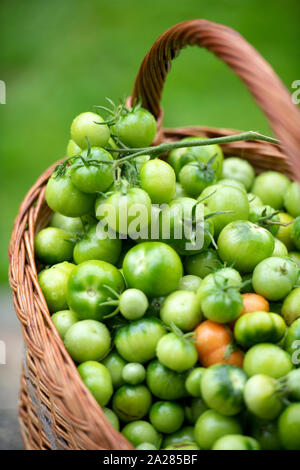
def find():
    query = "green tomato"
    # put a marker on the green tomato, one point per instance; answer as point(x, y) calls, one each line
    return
point(271, 188)
point(259, 327)
point(63, 197)
point(289, 427)
point(97, 245)
point(195, 409)
point(266, 433)
point(176, 352)
point(89, 286)
point(291, 306)
point(165, 383)
point(203, 263)
point(115, 365)
point(133, 304)
point(195, 177)
point(53, 245)
point(280, 249)
point(295, 233)
point(204, 154)
point(73, 149)
point(88, 174)
point(158, 179)
point(239, 170)
point(140, 432)
point(266, 217)
point(87, 340)
point(179, 191)
point(284, 233)
point(87, 127)
point(97, 379)
point(222, 387)
point(292, 342)
point(236, 442)
point(136, 128)
point(153, 267)
point(53, 282)
point(224, 277)
point(225, 198)
point(295, 256)
point(134, 373)
point(222, 304)
point(244, 245)
point(183, 437)
point(261, 397)
point(63, 320)
point(212, 425)
point(137, 341)
point(274, 277)
point(292, 199)
point(254, 201)
point(193, 381)
point(267, 359)
point(131, 402)
point(112, 418)
point(71, 225)
point(166, 416)
point(190, 283)
point(183, 309)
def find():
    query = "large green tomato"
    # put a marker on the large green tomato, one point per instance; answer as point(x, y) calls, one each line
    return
point(97, 379)
point(261, 397)
point(292, 199)
point(221, 304)
point(136, 128)
point(289, 427)
point(267, 359)
point(274, 277)
point(165, 383)
point(158, 179)
point(212, 425)
point(87, 127)
point(176, 352)
point(89, 286)
point(225, 198)
point(259, 327)
point(271, 187)
point(203, 263)
point(97, 245)
point(137, 341)
point(222, 387)
point(131, 402)
point(240, 170)
point(53, 245)
point(53, 282)
point(183, 309)
point(153, 267)
point(244, 245)
point(204, 154)
point(291, 306)
point(236, 442)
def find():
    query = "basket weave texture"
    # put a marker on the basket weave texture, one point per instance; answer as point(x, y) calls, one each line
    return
point(56, 410)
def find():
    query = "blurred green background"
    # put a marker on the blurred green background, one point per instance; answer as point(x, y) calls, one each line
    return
point(59, 58)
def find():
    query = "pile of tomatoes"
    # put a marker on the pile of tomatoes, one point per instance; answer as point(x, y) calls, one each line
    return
point(182, 348)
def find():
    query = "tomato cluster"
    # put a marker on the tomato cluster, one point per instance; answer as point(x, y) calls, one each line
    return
point(183, 346)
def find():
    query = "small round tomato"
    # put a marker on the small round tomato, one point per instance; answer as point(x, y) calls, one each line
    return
point(158, 179)
point(140, 432)
point(268, 359)
point(63, 197)
point(244, 245)
point(153, 267)
point(261, 397)
point(254, 303)
point(63, 320)
point(222, 388)
point(271, 187)
point(212, 425)
point(240, 170)
point(284, 233)
point(259, 327)
point(291, 306)
point(280, 249)
point(137, 341)
point(97, 245)
point(202, 263)
point(292, 199)
point(131, 402)
point(89, 286)
point(133, 304)
point(53, 245)
point(176, 352)
point(289, 427)
point(225, 198)
point(222, 304)
point(292, 341)
point(111, 417)
point(274, 277)
point(87, 127)
point(183, 309)
point(295, 233)
point(185, 436)
point(165, 383)
point(193, 381)
point(89, 174)
point(87, 340)
point(136, 128)
point(97, 379)
point(115, 365)
point(190, 283)
point(166, 416)
point(134, 373)
point(266, 433)
point(195, 177)
point(236, 442)
point(204, 154)
point(73, 149)
point(53, 282)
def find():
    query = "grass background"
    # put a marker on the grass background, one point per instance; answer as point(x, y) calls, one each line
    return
point(59, 58)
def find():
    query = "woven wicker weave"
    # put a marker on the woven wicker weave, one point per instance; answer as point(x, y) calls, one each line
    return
point(56, 409)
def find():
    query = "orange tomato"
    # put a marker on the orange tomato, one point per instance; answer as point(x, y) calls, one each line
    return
point(212, 341)
point(254, 303)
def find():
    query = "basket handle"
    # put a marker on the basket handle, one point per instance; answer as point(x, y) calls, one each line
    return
point(258, 76)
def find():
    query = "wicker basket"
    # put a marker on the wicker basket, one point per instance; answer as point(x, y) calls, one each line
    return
point(56, 409)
